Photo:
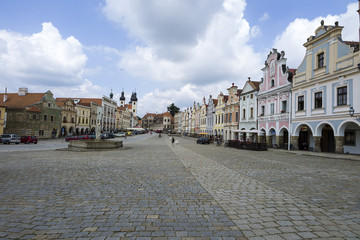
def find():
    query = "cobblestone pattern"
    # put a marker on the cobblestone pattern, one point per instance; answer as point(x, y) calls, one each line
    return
point(141, 193)
point(325, 182)
point(261, 211)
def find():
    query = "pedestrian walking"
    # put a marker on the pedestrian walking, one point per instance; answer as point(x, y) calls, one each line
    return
point(217, 142)
point(172, 141)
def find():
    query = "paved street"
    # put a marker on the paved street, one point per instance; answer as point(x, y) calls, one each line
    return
point(152, 190)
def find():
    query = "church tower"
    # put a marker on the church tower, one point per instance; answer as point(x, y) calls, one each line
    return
point(133, 102)
point(122, 99)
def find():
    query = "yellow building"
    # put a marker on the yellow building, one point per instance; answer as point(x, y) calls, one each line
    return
point(82, 119)
point(2, 119)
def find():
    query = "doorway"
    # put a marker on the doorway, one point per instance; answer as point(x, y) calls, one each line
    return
point(327, 141)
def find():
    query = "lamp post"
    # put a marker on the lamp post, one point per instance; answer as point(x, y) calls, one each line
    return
point(351, 112)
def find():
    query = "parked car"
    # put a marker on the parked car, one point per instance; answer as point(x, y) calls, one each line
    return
point(29, 139)
point(105, 136)
point(70, 138)
point(120, 134)
point(10, 138)
point(203, 140)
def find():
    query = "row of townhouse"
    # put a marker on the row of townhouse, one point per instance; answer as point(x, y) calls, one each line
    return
point(41, 115)
point(313, 107)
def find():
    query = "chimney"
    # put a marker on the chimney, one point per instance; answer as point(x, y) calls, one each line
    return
point(23, 91)
point(5, 96)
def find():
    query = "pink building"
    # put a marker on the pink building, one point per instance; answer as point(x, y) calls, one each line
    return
point(274, 101)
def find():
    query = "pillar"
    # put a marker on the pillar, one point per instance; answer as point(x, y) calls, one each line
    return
point(317, 144)
point(339, 144)
point(295, 142)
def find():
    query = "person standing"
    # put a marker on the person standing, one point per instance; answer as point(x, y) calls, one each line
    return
point(172, 141)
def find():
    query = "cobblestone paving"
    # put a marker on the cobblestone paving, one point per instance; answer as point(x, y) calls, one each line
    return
point(261, 209)
point(141, 193)
point(329, 183)
point(157, 191)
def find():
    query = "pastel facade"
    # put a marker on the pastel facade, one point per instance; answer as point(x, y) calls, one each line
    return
point(231, 122)
point(203, 113)
point(68, 116)
point(274, 101)
point(248, 111)
point(210, 116)
point(219, 115)
point(324, 89)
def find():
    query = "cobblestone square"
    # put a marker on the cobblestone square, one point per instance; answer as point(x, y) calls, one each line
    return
point(152, 190)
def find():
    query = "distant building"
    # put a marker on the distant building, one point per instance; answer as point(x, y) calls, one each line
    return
point(68, 116)
point(153, 121)
point(34, 114)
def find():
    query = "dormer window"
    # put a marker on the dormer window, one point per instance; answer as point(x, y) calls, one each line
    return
point(320, 60)
point(272, 83)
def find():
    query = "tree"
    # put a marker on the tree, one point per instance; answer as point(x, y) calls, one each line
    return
point(172, 109)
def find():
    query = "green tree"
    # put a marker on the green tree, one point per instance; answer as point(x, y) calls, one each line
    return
point(172, 109)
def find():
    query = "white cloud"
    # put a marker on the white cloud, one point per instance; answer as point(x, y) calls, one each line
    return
point(43, 58)
point(205, 46)
point(297, 32)
point(264, 17)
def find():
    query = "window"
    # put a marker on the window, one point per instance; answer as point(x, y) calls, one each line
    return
point(51, 118)
point(320, 58)
point(300, 103)
point(49, 105)
point(237, 117)
point(252, 96)
point(272, 108)
point(243, 98)
point(283, 106)
point(72, 120)
point(34, 117)
point(251, 112)
point(318, 100)
point(244, 112)
point(342, 96)
point(262, 110)
point(45, 117)
point(350, 138)
point(41, 132)
point(230, 117)
point(272, 83)
point(226, 118)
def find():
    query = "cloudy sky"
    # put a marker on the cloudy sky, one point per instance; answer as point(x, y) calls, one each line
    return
point(168, 51)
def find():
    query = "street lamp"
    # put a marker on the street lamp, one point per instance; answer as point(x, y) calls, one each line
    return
point(351, 112)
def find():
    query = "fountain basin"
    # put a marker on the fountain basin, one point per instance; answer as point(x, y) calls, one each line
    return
point(95, 144)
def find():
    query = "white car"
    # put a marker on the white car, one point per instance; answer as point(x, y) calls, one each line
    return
point(120, 134)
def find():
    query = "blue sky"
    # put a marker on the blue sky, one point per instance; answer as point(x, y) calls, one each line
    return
point(167, 50)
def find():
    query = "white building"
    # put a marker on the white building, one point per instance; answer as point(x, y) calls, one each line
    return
point(324, 88)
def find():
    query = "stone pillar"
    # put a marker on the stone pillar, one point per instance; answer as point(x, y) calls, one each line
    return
point(295, 142)
point(269, 141)
point(317, 144)
point(339, 144)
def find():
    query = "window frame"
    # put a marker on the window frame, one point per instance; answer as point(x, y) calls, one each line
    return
point(301, 107)
point(318, 103)
point(341, 96)
point(321, 60)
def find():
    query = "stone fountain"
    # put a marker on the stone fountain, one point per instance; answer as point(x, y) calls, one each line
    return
point(95, 144)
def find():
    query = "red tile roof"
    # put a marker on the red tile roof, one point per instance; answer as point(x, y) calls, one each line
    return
point(16, 101)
